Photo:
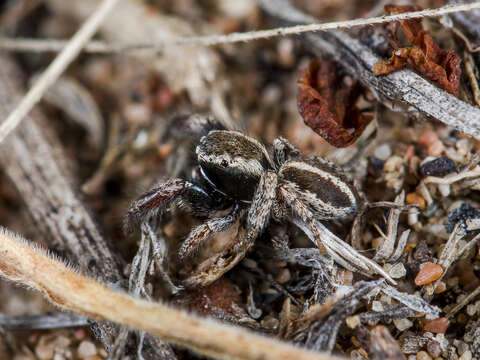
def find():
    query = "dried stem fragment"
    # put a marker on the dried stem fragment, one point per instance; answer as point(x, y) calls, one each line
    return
point(385, 251)
point(67, 289)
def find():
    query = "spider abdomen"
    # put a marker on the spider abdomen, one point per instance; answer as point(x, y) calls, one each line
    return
point(327, 191)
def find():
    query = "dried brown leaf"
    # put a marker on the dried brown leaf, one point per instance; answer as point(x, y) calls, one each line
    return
point(425, 56)
point(328, 105)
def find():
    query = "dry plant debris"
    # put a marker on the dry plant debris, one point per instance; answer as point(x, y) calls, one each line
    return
point(115, 127)
point(425, 55)
point(327, 104)
point(71, 291)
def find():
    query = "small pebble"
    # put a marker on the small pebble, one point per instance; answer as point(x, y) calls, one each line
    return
point(385, 299)
point(141, 139)
point(437, 326)
point(398, 271)
point(434, 348)
point(270, 323)
point(428, 274)
point(86, 349)
point(467, 355)
point(375, 166)
point(463, 146)
point(352, 321)
point(423, 355)
point(441, 287)
point(427, 138)
point(444, 189)
point(436, 149)
point(471, 309)
point(438, 167)
point(283, 276)
point(461, 346)
point(443, 341)
point(44, 351)
point(454, 155)
point(377, 306)
point(383, 152)
point(355, 355)
point(402, 324)
point(414, 198)
point(393, 163)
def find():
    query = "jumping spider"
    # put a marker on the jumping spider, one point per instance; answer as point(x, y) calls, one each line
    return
point(235, 173)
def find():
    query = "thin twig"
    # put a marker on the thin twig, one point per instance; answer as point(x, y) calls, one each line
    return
point(213, 40)
point(448, 256)
point(464, 302)
point(67, 289)
point(385, 251)
point(453, 178)
point(57, 67)
point(42, 321)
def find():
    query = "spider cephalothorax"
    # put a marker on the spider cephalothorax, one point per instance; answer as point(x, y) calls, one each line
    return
point(236, 172)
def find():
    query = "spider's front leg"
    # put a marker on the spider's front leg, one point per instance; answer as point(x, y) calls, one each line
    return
point(193, 126)
point(256, 221)
point(259, 212)
point(203, 232)
point(283, 150)
point(258, 215)
point(189, 196)
point(156, 199)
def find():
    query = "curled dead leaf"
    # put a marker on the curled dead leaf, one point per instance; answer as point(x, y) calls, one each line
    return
point(328, 105)
point(425, 56)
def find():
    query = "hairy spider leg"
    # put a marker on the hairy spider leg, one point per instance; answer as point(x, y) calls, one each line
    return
point(199, 234)
point(283, 150)
point(193, 126)
point(257, 220)
point(340, 251)
point(259, 212)
point(188, 195)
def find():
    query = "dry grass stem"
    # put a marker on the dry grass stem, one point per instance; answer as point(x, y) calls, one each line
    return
point(453, 178)
point(464, 302)
point(64, 287)
point(341, 252)
point(213, 40)
point(385, 251)
point(57, 67)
